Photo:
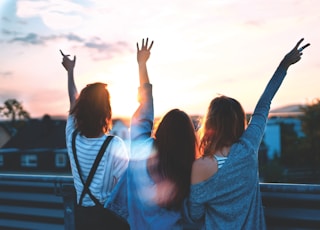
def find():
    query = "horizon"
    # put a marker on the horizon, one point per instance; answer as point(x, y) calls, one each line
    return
point(282, 111)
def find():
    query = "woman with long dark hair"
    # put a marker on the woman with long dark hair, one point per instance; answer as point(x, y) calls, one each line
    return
point(161, 160)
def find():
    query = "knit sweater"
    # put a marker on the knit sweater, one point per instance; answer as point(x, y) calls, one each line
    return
point(230, 199)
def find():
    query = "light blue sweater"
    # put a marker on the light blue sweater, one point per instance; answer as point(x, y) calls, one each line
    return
point(231, 199)
point(134, 197)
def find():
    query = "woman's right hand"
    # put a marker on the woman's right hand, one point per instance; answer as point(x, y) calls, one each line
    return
point(143, 54)
point(67, 63)
point(294, 55)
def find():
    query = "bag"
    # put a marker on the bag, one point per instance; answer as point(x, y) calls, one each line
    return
point(96, 217)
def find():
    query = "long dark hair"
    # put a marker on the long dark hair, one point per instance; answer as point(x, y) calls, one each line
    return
point(175, 143)
point(223, 125)
point(92, 110)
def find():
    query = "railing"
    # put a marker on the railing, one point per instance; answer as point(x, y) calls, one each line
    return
point(36, 202)
point(47, 202)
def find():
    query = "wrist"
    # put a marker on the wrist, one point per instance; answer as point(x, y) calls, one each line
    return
point(284, 64)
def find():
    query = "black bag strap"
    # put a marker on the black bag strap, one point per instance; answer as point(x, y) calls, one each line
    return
point(92, 170)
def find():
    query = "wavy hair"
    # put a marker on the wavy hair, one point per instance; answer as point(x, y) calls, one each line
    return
point(92, 110)
point(222, 126)
point(175, 143)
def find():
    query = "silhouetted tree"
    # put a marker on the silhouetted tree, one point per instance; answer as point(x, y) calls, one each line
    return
point(311, 127)
point(13, 110)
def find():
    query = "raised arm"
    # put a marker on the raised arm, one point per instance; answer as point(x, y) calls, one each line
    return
point(259, 118)
point(143, 55)
point(289, 59)
point(69, 66)
point(142, 119)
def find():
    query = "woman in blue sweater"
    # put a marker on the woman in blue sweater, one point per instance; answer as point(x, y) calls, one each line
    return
point(158, 176)
point(225, 191)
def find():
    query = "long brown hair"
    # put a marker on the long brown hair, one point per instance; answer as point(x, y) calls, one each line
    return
point(175, 144)
point(92, 110)
point(223, 125)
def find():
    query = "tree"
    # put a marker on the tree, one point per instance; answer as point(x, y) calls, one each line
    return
point(13, 110)
point(311, 127)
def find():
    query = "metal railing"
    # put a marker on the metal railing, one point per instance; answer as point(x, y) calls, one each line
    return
point(47, 202)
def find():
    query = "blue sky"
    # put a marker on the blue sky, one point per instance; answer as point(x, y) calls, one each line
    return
point(201, 49)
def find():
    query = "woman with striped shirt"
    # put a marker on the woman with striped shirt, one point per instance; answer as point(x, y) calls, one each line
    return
point(90, 114)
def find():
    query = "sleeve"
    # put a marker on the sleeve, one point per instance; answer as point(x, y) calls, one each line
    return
point(121, 158)
point(254, 132)
point(142, 120)
point(193, 212)
point(70, 127)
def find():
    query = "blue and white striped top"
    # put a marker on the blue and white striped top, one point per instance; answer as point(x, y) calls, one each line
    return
point(220, 160)
point(112, 165)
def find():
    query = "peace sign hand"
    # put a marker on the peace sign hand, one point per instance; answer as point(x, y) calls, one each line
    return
point(294, 55)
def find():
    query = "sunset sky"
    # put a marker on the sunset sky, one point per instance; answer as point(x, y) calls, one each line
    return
point(201, 49)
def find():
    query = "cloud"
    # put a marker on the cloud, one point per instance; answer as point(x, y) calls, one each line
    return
point(5, 19)
point(30, 38)
point(36, 39)
point(73, 37)
point(103, 50)
point(5, 94)
point(54, 14)
point(7, 32)
point(98, 48)
point(254, 23)
point(5, 74)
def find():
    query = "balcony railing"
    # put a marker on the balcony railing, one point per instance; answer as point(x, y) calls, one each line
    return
point(47, 202)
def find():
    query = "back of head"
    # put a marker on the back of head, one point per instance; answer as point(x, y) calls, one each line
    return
point(223, 125)
point(92, 110)
point(175, 141)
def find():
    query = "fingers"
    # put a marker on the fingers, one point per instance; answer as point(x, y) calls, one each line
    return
point(299, 42)
point(144, 45)
point(303, 47)
point(74, 58)
point(64, 55)
point(150, 46)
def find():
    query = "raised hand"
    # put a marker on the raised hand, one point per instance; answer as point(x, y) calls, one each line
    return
point(143, 54)
point(67, 63)
point(294, 55)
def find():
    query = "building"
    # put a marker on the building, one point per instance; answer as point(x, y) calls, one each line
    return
point(5, 134)
point(39, 145)
point(288, 115)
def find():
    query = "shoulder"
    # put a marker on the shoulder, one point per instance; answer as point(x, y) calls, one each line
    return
point(202, 169)
point(118, 146)
point(116, 142)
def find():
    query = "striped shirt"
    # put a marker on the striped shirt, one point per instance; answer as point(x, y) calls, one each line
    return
point(220, 160)
point(112, 165)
